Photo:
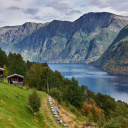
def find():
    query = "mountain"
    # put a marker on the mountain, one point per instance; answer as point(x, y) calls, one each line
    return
point(81, 41)
point(115, 58)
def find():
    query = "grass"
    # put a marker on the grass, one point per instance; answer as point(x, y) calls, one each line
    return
point(14, 109)
point(16, 113)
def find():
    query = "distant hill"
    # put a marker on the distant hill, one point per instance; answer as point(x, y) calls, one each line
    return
point(115, 58)
point(81, 41)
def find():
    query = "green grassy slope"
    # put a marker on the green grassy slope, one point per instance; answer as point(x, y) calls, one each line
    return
point(14, 109)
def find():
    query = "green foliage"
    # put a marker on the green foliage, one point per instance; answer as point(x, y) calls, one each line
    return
point(119, 122)
point(6, 71)
point(114, 60)
point(74, 95)
point(102, 121)
point(121, 109)
point(14, 109)
point(3, 58)
point(54, 92)
point(34, 75)
point(18, 66)
point(34, 101)
point(90, 117)
point(94, 113)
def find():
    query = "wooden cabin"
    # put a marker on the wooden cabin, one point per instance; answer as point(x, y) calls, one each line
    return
point(2, 74)
point(16, 79)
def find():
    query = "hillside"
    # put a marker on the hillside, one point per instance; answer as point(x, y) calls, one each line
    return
point(81, 41)
point(115, 58)
point(15, 112)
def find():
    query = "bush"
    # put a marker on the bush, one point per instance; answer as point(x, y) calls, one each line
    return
point(54, 92)
point(119, 122)
point(34, 101)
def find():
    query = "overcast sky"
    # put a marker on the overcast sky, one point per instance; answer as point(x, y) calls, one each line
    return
point(17, 12)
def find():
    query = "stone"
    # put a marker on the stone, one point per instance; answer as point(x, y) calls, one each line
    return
point(58, 119)
point(55, 113)
point(56, 116)
point(65, 125)
point(53, 110)
point(61, 122)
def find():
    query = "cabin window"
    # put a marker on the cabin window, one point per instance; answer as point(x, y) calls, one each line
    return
point(14, 79)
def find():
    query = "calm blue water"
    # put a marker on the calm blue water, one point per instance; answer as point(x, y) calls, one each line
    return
point(96, 79)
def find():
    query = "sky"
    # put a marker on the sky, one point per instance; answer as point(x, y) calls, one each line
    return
point(17, 12)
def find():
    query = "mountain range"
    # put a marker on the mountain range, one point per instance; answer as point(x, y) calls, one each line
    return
point(115, 58)
point(81, 41)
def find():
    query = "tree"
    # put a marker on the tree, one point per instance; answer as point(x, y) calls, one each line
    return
point(74, 95)
point(90, 117)
point(6, 71)
point(18, 66)
point(48, 78)
point(87, 108)
point(54, 92)
point(34, 101)
point(94, 113)
point(3, 58)
point(34, 75)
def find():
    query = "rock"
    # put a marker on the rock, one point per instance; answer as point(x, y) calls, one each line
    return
point(53, 110)
point(61, 122)
point(56, 116)
point(65, 125)
point(58, 119)
point(55, 113)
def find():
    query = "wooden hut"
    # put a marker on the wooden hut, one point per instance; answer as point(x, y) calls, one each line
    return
point(2, 74)
point(16, 79)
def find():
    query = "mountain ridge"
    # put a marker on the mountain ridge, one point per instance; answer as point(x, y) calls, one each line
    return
point(81, 41)
point(114, 60)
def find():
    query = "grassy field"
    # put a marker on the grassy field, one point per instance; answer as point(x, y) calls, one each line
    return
point(14, 109)
point(16, 113)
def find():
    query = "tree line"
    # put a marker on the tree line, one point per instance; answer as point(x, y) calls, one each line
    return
point(99, 108)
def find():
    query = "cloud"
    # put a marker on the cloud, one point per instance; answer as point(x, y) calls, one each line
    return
point(37, 18)
point(73, 12)
point(62, 7)
point(13, 8)
point(31, 11)
point(117, 5)
point(18, 0)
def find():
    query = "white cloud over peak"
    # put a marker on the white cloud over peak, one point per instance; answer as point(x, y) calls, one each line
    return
point(14, 12)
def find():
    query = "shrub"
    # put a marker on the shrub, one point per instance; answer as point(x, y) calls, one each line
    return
point(54, 92)
point(34, 101)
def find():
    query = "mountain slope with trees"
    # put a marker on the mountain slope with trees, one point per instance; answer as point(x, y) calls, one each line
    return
point(81, 41)
point(115, 58)
point(98, 108)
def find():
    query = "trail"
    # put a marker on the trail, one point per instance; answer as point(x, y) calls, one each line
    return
point(49, 118)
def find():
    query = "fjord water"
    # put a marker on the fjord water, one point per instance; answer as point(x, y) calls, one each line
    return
point(96, 79)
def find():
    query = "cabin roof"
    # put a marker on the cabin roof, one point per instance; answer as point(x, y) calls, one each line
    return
point(2, 69)
point(15, 75)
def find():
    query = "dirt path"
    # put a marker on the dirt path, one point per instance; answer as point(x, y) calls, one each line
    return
point(49, 118)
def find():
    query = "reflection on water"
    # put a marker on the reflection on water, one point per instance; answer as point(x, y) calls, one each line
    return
point(96, 79)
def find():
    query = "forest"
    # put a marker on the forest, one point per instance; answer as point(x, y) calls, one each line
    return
point(98, 108)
